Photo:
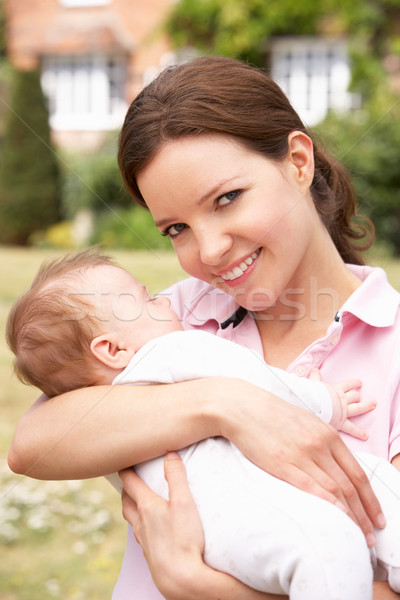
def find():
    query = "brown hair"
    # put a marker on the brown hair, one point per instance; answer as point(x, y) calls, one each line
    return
point(50, 330)
point(220, 95)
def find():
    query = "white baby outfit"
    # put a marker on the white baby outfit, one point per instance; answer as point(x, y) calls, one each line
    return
point(263, 531)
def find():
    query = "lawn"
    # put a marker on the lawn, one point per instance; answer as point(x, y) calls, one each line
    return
point(57, 539)
point(65, 539)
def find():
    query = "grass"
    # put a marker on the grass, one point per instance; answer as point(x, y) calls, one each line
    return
point(66, 539)
point(58, 539)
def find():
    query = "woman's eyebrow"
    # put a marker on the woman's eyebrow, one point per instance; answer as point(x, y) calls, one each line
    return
point(215, 190)
point(163, 222)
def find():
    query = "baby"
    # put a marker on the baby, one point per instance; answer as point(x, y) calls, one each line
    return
point(85, 321)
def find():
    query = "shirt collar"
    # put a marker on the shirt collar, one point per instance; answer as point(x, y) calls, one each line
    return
point(375, 301)
point(211, 304)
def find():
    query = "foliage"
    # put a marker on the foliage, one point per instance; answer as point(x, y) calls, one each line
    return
point(60, 236)
point(241, 28)
point(368, 145)
point(93, 181)
point(133, 228)
point(29, 173)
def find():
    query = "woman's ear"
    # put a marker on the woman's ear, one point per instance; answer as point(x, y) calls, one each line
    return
point(107, 350)
point(301, 157)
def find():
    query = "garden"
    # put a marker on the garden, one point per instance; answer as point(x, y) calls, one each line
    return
point(65, 539)
point(58, 539)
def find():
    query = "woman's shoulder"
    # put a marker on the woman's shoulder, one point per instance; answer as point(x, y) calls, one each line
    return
point(375, 301)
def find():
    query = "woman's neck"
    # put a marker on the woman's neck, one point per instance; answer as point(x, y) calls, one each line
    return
point(303, 313)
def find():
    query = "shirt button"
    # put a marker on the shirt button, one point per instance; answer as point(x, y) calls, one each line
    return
point(335, 340)
point(300, 370)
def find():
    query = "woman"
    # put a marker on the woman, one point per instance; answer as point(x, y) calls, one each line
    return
point(261, 219)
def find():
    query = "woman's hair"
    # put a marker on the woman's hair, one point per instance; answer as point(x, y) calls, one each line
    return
point(219, 95)
point(51, 326)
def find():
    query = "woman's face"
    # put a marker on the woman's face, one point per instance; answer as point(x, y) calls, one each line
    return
point(237, 220)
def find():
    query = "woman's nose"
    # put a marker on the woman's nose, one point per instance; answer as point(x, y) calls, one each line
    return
point(212, 247)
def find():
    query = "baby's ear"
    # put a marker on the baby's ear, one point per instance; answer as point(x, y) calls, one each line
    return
point(108, 351)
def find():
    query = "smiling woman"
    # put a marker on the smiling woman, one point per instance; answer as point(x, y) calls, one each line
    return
point(216, 152)
point(221, 228)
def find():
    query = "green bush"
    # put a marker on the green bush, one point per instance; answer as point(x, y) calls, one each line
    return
point(369, 146)
point(131, 229)
point(93, 182)
point(29, 173)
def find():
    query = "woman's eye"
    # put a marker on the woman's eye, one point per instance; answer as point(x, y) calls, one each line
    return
point(174, 230)
point(228, 198)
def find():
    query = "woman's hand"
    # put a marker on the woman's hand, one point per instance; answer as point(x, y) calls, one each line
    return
point(170, 533)
point(293, 445)
point(172, 539)
point(382, 591)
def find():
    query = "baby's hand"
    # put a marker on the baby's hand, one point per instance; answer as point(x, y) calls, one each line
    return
point(346, 403)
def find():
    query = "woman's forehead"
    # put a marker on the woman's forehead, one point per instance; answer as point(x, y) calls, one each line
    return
point(193, 168)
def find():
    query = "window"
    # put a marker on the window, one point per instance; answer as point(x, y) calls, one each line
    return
point(85, 92)
point(314, 73)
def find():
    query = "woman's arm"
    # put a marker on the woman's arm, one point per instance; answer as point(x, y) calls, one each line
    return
point(103, 429)
point(99, 430)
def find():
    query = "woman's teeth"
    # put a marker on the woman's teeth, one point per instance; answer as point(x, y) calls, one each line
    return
point(240, 269)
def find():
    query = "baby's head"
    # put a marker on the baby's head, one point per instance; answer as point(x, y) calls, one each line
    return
point(81, 322)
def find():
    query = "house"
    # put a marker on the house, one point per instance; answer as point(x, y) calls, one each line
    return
point(94, 56)
point(314, 72)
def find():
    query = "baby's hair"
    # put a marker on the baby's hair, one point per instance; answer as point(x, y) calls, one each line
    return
point(50, 327)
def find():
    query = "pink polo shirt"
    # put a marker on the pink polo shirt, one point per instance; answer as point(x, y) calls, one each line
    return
point(362, 342)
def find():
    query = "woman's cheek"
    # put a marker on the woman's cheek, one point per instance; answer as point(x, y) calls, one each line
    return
point(189, 261)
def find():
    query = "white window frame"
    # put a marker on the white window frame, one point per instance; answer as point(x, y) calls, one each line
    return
point(85, 93)
point(314, 73)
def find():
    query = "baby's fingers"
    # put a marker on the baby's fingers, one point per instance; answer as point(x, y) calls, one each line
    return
point(350, 384)
point(351, 429)
point(352, 397)
point(359, 408)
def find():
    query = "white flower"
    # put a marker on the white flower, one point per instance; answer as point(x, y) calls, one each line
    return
point(80, 547)
point(53, 587)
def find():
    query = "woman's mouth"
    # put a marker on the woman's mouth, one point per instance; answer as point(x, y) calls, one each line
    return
point(239, 269)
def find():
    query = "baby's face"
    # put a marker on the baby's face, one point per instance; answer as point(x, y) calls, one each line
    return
point(124, 306)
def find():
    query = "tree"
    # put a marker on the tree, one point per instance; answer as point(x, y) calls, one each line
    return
point(29, 172)
point(368, 145)
point(241, 29)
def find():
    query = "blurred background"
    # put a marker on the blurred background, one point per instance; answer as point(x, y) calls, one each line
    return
point(68, 71)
